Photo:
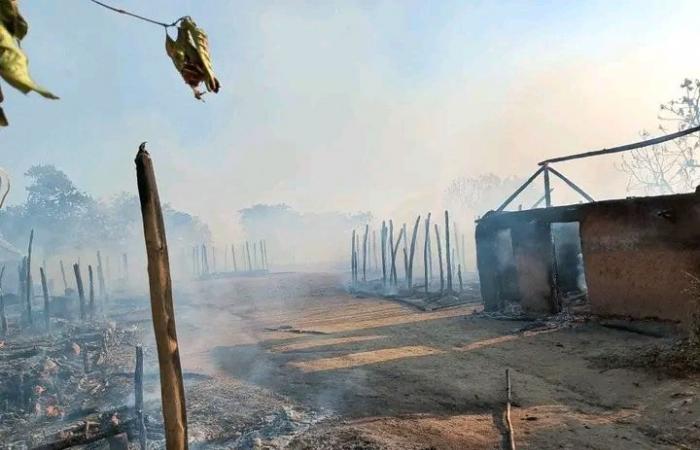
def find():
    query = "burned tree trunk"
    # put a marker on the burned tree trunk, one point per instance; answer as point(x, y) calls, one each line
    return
point(3, 318)
point(364, 255)
point(412, 254)
point(393, 256)
point(65, 281)
point(205, 260)
point(47, 308)
point(352, 258)
point(91, 291)
point(29, 279)
point(374, 251)
point(213, 259)
point(426, 253)
point(247, 251)
point(81, 291)
point(448, 261)
point(439, 249)
point(405, 253)
point(459, 275)
point(383, 239)
point(172, 388)
point(233, 258)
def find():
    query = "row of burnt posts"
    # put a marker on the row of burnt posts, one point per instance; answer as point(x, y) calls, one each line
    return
point(242, 261)
point(365, 254)
point(25, 291)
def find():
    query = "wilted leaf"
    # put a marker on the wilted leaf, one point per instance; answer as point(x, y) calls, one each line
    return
point(12, 19)
point(14, 66)
point(190, 55)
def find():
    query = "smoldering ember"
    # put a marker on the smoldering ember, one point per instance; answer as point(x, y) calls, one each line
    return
point(392, 225)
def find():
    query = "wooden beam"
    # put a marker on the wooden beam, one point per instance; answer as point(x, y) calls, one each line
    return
point(623, 148)
point(162, 310)
point(520, 189)
point(547, 189)
point(572, 185)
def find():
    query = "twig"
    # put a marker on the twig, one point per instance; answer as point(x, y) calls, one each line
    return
point(136, 16)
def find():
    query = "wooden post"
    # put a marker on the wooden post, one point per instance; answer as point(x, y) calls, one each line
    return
point(65, 281)
point(256, 263)
point(392, 272)
point(547, 190)
point(459, 275)
point(29, 279)
point(412, 253)
point(247, 251)
point(352, 258)
point(91, 291)
point(81, 291)
point(138, 396)
point(3, 318)
point(439, 248)
point(374, 252)
point(263, 254)
point(448, 261)
point(213, 259)
point(47, 309)
point(364, 254)
point(233, 258)
point(509, 423)
point(172, 388)
point(393, 256)
point(101, 278)
point(205, 260)
point(405, 252)
point(425, 253)
point(194, 261)
point(464, 254)
point(457, 254)
point(383, 239)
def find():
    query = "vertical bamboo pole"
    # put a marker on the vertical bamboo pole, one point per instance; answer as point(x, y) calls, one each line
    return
point(425, 253)
point(65, 281)
point(81, 291)
point(138, 396)
point(448, 261)
point(3, 318)
point(172, 388)
point(364, 254)
point(439, 248)
point(412, 253)
point(91, 291)
point(45, 291)
point(29, 279)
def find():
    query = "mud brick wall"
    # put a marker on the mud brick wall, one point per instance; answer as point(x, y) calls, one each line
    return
point(637, 252)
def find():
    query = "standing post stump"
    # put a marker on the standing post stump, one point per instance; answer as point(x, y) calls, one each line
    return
point(439, 249)
point(3, 318)
point(45, 291)
point(81, 291)
point(138, 396)
point(91, 281)
point(426, 253)
point(29, 279)
point(448, 261)
point(65, 280)
point(171, 385)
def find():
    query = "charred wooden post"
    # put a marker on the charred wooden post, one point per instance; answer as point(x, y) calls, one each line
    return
point(448, 261)
point(81, 291)
point(392, 255)
point(91, 285)
point(547, 189)
point(456, 256)
point(263, 254)
point(459, 275)
point(3, 318)
point(464, 254)
point(364, 254)
point(247, 251)
point(138, 396)
point(383, 239)
point(405, 252)
point(256, 263)
point(172, 388)
point(412, 253)
point(65, 280)
point(205, 260)
point(374, 251)
point(233, 258)
point(426, 253)
point(194, 261)
point(47, 308)
point(28, 292)
point(213, 259)
point(101, 278)
point(439, 249)
point(352, 259)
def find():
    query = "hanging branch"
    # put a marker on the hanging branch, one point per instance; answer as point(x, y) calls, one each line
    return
point(136, 16)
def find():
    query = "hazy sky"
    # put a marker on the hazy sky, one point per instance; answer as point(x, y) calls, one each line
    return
point(363, 105)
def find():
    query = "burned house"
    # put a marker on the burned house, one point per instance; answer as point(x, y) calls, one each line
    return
point(632, 257)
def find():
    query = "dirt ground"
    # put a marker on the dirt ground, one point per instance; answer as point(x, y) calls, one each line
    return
point(294, 361)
